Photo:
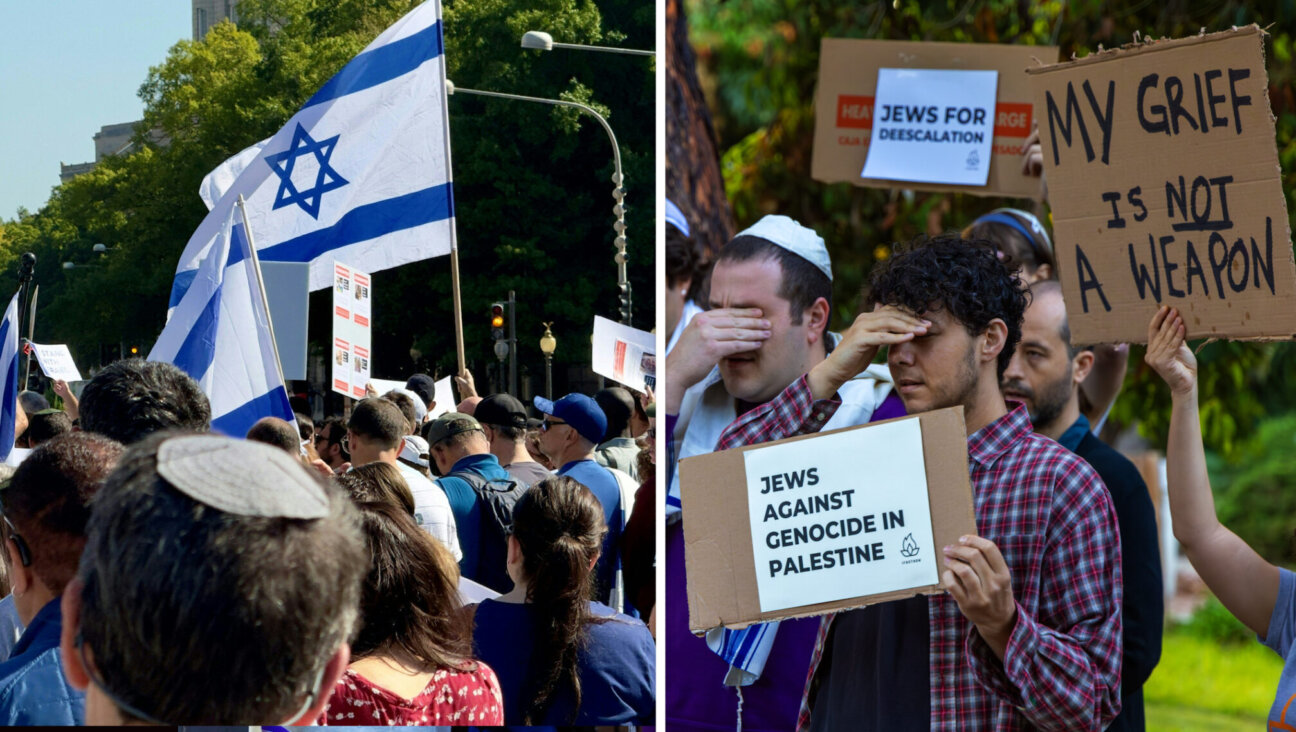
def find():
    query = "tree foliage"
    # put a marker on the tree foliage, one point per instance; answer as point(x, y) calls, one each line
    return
point(532, 184)
point(760, 58)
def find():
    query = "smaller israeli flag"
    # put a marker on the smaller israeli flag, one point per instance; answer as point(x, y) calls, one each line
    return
point(9, 355)
point(219, 333)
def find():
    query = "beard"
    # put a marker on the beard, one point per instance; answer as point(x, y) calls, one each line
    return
point(1047, 404)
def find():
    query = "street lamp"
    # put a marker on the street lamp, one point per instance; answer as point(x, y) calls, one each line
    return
point(618, 193)
point(548, 344)
point(541, 41)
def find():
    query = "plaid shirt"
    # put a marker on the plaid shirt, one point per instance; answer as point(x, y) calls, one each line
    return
point(1053, 520)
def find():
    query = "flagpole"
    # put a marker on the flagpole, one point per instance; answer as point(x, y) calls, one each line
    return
point(265, 302)
point(454, 237)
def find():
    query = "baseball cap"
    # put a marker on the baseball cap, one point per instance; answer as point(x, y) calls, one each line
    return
point(579, 411)
point(414, 450)
point(795, 238)
point(501, 409)
point(423, 386)
point(450, 424)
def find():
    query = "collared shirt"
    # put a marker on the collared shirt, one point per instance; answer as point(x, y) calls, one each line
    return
point(1053, 521)
point(33, 690)
point(1075, 434)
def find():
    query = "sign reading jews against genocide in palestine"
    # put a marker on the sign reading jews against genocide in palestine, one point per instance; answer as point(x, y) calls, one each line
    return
point(849, 118)
point(821, 526)
point(824, 522)
point(933, 126)
point(1164, 183)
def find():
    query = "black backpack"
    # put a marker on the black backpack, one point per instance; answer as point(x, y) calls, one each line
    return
point(496, 499)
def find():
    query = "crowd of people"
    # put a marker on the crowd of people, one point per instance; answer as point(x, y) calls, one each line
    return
point(1052, 612)
point(383, 567)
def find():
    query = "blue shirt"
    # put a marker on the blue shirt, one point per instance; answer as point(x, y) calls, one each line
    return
point(467, 509)
point(1282, 638)
point(604, 486)
point(33, 690)
point(616, 668)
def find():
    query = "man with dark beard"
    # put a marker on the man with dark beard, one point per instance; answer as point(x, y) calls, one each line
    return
point(1045, 373)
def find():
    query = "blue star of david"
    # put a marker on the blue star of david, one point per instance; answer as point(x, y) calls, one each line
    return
point(327, 179)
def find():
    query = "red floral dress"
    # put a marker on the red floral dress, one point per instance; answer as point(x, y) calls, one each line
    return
point(451, 698)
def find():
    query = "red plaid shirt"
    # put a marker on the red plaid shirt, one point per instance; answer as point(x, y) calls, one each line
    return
point(1053, 520)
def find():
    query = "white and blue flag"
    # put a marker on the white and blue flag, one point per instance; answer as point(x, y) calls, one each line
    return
point(219, 333)
point(9, 355)
point(360, 174)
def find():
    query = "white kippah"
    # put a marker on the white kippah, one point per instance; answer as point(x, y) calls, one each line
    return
point(795, 238)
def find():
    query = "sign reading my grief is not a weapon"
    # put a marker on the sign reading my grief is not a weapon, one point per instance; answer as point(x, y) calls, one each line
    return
point(1165, 186)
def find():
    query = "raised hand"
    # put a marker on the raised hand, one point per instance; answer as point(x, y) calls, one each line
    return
point(1168, 354)
point(1033, 155)
point(884, 326)
point(709, 337)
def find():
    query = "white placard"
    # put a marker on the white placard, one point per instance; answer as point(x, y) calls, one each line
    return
point(56, 362)
point(624, 354)
point(932, 126)
point(823, 529)
point(444, 397)
point(352, 298)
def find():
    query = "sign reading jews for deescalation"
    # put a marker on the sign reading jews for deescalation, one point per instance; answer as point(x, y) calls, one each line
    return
point(819, 523)
point(933, 126)
point(824, 522)
point(850, 114)
point(1165, 186)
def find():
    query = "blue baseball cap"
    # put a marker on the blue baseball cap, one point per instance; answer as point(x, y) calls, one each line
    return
point(579, 411)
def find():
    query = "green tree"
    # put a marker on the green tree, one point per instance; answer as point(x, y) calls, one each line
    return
point(532, 183)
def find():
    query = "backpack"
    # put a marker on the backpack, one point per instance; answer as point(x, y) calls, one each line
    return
point(496, 499)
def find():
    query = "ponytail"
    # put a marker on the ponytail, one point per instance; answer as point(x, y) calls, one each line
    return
point(560, 528)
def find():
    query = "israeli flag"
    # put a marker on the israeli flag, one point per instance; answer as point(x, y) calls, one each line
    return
point(219, 333)
point(360, 174)
point(9, 355)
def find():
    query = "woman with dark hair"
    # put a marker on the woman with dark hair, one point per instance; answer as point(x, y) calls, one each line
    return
point(411, 660)
point(377, 482)
point(562, 658)
point(1021, 241)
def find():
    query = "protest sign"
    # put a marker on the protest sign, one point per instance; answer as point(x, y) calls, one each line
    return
point(824, 522)
point(56, 362)
point(1164, 181)
point(844, 108)
point(624, 354)
point(933, 126)
point(444, 397)
point(352, 298)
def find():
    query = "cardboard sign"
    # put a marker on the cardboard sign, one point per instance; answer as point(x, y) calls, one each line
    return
point(844, 107)
point(875, 542)
point(1165, 186)
point(624, 354)
point(933, 126)
point(56, 362)
point(352, 299)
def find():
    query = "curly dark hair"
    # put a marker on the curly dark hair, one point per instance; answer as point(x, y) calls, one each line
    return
point(962, 276)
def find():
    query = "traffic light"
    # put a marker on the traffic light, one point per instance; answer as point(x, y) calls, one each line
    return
point(497, 321)
point(624, 301)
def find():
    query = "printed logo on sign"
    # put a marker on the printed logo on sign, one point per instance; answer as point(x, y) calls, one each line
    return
point(855, 112)
point(908, 547)
point(973, 160)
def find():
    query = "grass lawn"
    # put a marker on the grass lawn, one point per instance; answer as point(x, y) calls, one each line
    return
point(1202, 686)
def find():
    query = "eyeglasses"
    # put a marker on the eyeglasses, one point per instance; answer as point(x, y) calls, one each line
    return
point(24, 554)
point(346, 443)
point(545, 425)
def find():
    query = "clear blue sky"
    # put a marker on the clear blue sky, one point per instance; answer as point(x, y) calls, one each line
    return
point(68, 67)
